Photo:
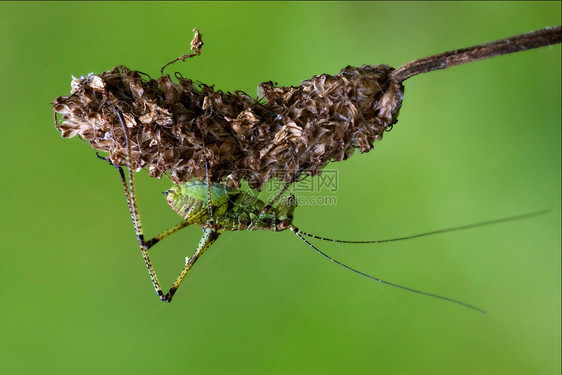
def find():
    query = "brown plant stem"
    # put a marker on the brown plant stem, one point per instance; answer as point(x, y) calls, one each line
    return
point(523, 42)
point(196, 45)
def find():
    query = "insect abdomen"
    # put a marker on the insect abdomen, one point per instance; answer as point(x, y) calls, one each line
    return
point(189, 199)
point(232, 209)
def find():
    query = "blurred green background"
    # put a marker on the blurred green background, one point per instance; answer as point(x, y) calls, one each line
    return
point(474, 142)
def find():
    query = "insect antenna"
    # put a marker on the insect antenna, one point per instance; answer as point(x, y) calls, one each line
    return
point(453, 229)
point(298, 233)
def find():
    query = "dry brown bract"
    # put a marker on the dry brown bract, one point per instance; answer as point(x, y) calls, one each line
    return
point(176, 127)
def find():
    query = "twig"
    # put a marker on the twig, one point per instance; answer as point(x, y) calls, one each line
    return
point(534, 39)
point(196, 45)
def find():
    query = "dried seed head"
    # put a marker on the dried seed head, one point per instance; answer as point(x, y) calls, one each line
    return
point(175, 128)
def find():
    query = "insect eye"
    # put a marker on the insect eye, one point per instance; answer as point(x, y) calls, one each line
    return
point(283, 224)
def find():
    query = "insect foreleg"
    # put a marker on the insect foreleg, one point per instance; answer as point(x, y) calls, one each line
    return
point(210, 221)
point(274, 200)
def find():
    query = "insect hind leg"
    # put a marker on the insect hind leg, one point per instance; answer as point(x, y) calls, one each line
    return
point(209, 234)
point(208, 238)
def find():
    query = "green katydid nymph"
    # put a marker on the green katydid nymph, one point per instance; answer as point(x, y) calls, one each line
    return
point(179, 129)
point(218, 208)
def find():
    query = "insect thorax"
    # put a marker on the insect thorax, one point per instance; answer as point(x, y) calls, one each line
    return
point(232, 209)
